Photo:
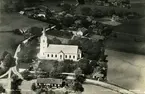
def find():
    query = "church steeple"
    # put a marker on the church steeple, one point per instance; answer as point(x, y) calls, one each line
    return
point(43, 42)
point(43, 32)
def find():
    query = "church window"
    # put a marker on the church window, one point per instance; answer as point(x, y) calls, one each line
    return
point(52, 55)
point(55, 55)
point(73, 56)
point(61, 56)
point(69, 56)
point(78, 56)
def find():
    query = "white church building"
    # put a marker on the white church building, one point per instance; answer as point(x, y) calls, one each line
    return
point(58, 52)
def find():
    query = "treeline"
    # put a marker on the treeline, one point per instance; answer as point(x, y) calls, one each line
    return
point(16, 5)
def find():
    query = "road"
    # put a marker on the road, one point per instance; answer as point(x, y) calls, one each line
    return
point(89, 89)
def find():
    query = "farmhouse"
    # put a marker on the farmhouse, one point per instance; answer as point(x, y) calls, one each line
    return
point(50, 82)
point(58, 52)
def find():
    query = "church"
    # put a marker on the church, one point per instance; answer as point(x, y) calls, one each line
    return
point(58, 52)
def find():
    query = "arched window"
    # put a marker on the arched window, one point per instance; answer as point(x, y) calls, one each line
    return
point(78, 56)
point(73, 56)
point(65, 56)
point(69, 56)
point(48, 55)
point(60, 56)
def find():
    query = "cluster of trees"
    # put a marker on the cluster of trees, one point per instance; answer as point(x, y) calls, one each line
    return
point(91, 49)
point(99, 13)
point(33, 31)
point(16, 82)
point(87, 67)
point(2, 90)
point(69, 8)
point(57, 33)
point(64, 66)
point(28, 51)
point(17, 5)
point(6, 61)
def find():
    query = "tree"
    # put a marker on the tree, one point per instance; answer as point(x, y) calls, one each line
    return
point(16, 82)
point(56, 41)
point(87, 65)
point(78, 71)
point(33, 87)
point(26, 75)
point(87, 11)
point(83, 64)
point(13, 5)
point(68, 66)
point(74, 42)
point(68, 20)
point(2, 90)
point(3, 55)
point(33, 31)
point(80, 78)
point(7, 60)
point(78, 87)
point(28, 51)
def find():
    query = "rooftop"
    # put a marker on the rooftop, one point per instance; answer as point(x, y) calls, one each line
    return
point(69, 49)
point(49, 80)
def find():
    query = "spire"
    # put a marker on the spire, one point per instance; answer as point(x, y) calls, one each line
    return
point(43, 32)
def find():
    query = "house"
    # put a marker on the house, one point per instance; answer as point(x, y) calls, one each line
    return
point(58, 52)
point(80, 32)
point(52, 82)
point(97, 75)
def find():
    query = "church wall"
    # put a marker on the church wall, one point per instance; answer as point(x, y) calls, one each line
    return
point(53, 56)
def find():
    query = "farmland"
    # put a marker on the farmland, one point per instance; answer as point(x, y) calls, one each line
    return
point(125, 69)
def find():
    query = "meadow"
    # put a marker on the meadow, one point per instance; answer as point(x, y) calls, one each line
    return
point(9, 42)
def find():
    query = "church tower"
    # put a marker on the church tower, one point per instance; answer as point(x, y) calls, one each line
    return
point(43, 43)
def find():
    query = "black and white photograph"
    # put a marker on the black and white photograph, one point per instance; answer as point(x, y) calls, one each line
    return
point(72, 46)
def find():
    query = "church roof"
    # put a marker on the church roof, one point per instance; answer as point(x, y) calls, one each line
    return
point(55, 48)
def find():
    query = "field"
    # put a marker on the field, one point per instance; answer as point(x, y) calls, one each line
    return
point(11, 21)
point(9, 42)
point(126, 70)
point(131, 34)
